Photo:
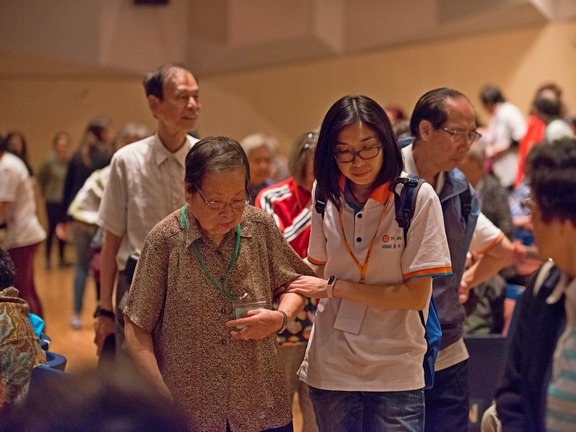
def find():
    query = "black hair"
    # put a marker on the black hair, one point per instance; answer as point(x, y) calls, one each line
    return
point(97, 126)
point(547, 106)
point(552, 174)
point(155, 81)
point(432, 107)
point(214, 154)
point(490, 95)
point(7, 270)
point(3, 144)
point(345, 112)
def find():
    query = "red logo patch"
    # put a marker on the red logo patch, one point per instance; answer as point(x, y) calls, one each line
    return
point(385, 238)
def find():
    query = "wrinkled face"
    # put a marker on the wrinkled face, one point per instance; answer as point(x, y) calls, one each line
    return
point(223, 187)
point(446, 150)
point(179, 110)
point(260, 161)
point(355, 138)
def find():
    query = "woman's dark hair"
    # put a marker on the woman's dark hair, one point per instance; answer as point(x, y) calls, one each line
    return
point(7, 270)
point(552, 173)
point(154, 82)
point(549, 107)
point(348, 111)
point(214, 155)
point(97, 126)
point(3, 144)
point(490, 95)
point(304, 146)
point(432, 107)
point(22, 154)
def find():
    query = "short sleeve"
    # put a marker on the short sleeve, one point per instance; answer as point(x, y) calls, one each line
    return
point(486, 235)
point(112, 214)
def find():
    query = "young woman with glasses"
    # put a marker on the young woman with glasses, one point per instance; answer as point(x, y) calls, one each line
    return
point(364, 359)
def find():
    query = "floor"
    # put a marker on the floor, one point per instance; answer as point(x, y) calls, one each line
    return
point(55, 290)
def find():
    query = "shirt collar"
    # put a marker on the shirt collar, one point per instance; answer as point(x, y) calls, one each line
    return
point(193, 233)
point(161, 153)
point(563, 286)
point(380, 194)
point(410, 167)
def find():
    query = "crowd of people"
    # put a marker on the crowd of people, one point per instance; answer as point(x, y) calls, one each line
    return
point(233, 279)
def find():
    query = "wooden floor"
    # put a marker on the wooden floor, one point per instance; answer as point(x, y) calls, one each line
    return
point(55, 290)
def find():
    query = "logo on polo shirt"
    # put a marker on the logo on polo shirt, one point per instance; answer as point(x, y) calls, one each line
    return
point(391, 242)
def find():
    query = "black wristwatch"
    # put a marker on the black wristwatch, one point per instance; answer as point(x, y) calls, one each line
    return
point(103, 312)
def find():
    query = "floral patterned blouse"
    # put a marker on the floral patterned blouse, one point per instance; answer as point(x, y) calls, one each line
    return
point(214, 377)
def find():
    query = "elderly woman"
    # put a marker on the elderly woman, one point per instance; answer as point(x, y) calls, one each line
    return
point(198, 268)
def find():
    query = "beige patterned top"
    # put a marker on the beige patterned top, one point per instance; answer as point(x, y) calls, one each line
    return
point(213, 376)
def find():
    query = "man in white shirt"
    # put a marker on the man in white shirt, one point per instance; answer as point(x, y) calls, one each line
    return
point(503, 134)
point(145, 185)
point(443, 125)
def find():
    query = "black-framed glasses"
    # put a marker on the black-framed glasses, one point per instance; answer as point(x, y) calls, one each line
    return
point(461, 136)
point(348, 156)
point(235, 205)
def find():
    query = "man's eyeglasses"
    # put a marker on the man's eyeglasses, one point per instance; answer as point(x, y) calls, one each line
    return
point(235, 205)
point(348, 156)
point(463, 136)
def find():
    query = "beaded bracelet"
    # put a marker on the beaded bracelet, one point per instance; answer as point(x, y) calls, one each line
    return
point(285, 323)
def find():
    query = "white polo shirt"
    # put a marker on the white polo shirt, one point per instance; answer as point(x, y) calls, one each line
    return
point(387, 352)
point(17, 190)
point(145, 185)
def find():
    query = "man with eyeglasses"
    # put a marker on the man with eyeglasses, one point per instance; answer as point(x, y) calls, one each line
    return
point(443, 126)
point(145, 186)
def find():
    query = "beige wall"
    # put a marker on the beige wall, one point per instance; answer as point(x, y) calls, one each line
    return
point(285, 100)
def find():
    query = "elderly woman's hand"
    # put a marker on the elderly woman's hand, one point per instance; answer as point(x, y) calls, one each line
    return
point(258, 323)
point(308, 286)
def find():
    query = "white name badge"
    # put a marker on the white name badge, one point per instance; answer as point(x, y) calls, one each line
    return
point(350, 317)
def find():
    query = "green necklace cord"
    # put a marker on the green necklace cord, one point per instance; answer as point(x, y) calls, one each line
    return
point(222, 286)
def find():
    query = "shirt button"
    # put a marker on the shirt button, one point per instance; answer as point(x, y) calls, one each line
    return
point(224, 341)
point(358, 239)
point(223, 310)
point(359, 216)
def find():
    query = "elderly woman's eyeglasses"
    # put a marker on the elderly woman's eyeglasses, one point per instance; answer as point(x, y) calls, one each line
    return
point(235, 205)
point(348, 156)
point(463, 136)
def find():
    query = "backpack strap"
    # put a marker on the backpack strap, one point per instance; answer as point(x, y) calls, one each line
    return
point(320, 200)
point(405, 201)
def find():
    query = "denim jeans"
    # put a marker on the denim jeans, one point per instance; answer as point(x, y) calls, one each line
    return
point(347, 411)
point(82, 239)
point(448, 402)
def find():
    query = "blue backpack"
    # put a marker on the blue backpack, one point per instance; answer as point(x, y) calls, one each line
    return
point(405, 203)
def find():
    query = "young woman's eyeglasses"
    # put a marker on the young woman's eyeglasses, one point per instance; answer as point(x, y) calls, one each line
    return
point(348, 156)
point(463, 136)
point(235, 205)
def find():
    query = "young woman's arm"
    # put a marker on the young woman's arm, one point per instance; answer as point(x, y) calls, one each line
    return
point(413, 294)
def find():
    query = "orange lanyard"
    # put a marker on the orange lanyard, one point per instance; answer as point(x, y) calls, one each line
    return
point(363, 268)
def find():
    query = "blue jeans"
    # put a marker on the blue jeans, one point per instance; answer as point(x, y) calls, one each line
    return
point(448, 402)
point(82, 239)
point(347, 411)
